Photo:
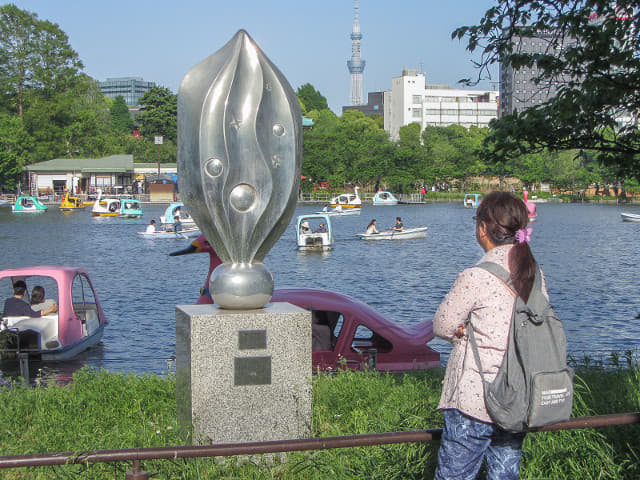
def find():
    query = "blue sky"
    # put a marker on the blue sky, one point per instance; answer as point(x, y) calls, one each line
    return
point(308, 41)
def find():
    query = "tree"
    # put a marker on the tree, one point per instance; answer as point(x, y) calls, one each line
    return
point(34, 54)
point(159, 114)
point(121, 120)
point(599, 42)
point(311, 99)
point(15, 144)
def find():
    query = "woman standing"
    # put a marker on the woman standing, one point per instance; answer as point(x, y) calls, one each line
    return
point(481, 299)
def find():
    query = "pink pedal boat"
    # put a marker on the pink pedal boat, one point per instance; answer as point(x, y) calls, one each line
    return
point(78, 324)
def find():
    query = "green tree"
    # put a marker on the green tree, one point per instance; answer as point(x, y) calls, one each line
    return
point(159, 114)
point(121, 120)
point(15, 145)
point(34, 54)
point(311, 99)
point(599, 42)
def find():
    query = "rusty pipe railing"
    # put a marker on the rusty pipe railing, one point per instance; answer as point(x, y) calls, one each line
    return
point(253, 448)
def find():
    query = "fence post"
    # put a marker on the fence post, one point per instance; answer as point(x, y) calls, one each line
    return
point(135, 473)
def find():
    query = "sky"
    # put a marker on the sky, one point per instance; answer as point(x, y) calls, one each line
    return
point(309, 41)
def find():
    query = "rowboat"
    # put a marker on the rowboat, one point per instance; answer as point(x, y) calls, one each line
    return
point(168, 234)
point(407, 233)
point(630, 217)
point(340, 213)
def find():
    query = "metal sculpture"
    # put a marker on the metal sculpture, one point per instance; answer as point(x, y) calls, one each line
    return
point(239, 159)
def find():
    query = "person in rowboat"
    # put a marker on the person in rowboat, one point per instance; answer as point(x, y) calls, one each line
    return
point(398, 227)
point(371, 228)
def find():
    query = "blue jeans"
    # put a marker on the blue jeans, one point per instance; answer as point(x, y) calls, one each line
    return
point(466, 442)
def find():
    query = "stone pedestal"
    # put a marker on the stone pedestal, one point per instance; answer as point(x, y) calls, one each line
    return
point(243, 375)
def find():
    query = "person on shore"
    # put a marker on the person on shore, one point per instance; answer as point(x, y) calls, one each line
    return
point(38, 300)
point(479, 300)
point(151, 228)
point(398, 227)
point(371, 228)
point(16, 306)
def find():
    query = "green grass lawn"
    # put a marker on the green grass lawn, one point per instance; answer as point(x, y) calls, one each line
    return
point(101, 410)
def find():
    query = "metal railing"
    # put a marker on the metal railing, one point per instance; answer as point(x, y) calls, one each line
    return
point(136, 455)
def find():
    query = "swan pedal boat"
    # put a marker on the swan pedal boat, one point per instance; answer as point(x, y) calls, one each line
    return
point(630, 217)
point(347, 200)
point(71, 203)
point(184, 233)
point(130, 208)
point(28, 204)
point(105, 207)
point(384, 198)
point(308, 236)
point(356, 331)
point(472, 200)
point(407, 233)
point(77, 325)
point(170, 212)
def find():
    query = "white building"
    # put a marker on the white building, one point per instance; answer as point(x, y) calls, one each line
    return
point(411, 100)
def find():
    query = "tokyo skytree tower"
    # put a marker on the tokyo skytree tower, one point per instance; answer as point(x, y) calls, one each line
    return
point(356, 64)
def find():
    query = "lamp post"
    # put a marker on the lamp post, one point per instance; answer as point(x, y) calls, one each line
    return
point(158, 141)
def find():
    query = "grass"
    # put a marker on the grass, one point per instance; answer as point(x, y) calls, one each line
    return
point(100, 410)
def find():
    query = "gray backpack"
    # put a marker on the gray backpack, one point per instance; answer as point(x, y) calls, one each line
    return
point(534, 384)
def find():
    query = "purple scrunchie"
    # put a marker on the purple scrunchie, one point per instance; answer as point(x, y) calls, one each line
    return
point(524, 235)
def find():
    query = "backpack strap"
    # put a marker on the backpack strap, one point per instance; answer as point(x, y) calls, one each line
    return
point(499, 272)
point(505, 277)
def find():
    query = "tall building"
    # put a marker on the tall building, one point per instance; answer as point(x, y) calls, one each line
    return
point(131, 88)
point(411, 100)
point(518, 91)
point(356, 64)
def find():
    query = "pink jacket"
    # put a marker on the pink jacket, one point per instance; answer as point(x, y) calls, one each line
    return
point(490, 303)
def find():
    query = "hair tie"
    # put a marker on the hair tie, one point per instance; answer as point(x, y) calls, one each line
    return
point(524, 235)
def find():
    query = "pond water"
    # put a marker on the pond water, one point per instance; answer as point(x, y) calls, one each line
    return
point(589, 256)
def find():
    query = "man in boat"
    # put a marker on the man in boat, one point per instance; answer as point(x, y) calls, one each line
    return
point(16, 306)
point(151, 228)
point(398, 227)
point(322, 228)
point(177, 224)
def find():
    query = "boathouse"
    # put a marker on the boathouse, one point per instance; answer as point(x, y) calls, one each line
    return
point(115, 174)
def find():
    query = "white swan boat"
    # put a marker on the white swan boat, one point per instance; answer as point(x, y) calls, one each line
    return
point(630, 217)
point(407, 233)
point(347, 200)
point(105, 207)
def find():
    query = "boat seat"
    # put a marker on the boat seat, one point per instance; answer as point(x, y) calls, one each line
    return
point(46, 326)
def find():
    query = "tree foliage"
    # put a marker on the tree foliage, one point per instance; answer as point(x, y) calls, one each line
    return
point(34, 54)
point(121, 120)
point(598, 102)
point(159, 114)
point(311, 99)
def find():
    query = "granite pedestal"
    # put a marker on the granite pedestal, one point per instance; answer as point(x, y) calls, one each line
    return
point(243, 375)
